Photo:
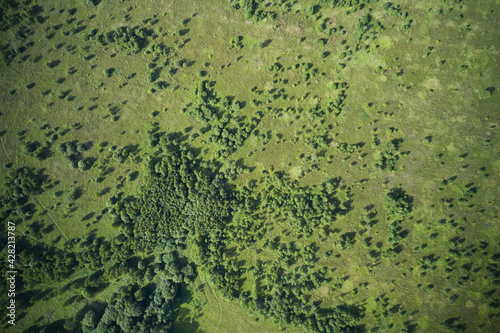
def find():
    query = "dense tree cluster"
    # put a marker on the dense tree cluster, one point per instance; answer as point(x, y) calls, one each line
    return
point(8, 55)
point(185, 203)
point(133, 39)
point(281, 295)
point(133, 308)
point(20, 184)
point(90, 252)
point(220, 115)
point(349, 148)
point(306, 209)
point(136, 308)
point(367, 23)
point(179, 198)
point(268, 240)
point(14, 12)
point(41, 263)
point(397, 205)
point(346, 3)
point(387, 158)
point(246, 228)
point(252, 9)
point(72, 152)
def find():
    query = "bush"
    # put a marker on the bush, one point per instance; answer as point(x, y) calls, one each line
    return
point(86, 292)
point(92, 3)
point(151, 77)
point(311, 10)
point(486, 93)
point(29, 148)
point(108, 72)
point(178, 63)
point(397, 203)
point(160, 85)
point(84, 164)
point(74, 194)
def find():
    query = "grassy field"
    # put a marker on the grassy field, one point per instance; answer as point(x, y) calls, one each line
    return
point(377, 96)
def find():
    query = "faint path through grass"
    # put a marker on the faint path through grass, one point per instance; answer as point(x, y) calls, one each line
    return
point(228, 307)
point(5, 151)
point(53, 221)
point(205, 283)
point(46, 211)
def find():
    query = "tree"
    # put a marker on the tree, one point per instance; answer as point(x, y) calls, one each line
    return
point(86, 293)
point(108, 72)
point(89, 322)
point(188, 273)
point(397, 203)
point(84, 164)
point(92, 3)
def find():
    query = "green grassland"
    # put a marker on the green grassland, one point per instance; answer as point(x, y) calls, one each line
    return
point(251, 166)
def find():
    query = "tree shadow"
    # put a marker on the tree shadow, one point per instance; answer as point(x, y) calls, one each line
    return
point(53, 64)
point(266, 43)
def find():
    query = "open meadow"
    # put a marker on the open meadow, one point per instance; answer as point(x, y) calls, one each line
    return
point(250, 166)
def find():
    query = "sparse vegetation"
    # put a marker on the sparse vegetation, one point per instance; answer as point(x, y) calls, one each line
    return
point(254, 166)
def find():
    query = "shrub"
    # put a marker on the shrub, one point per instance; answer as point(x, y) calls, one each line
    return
point(319, 27)
point(74, 194)
point(486, 93)
point(92, 3)
point(397, 203)
point(108, 72)
point(151, 77)
point(28, 148)
point(178, 63)
point(160, 85)
point(84, 164)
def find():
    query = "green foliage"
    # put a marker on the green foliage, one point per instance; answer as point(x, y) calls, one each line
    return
point(346, 3)
point(349, 148)
point(23, 182)
point(256, 203)
point(121, 154)
point(135, 309)
point(72, 152)
point(92, 3)
point(486, 93)
point(41, 263)
point(89, 321)
point(387, 158)
point(365, 117)
point(108, 72)
point(398, 204)
point(8, 55)
point(173, 191)
point(217, 114)
point(84, 164)
point(133, 39)
point(13, 13)
point(74, 194)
